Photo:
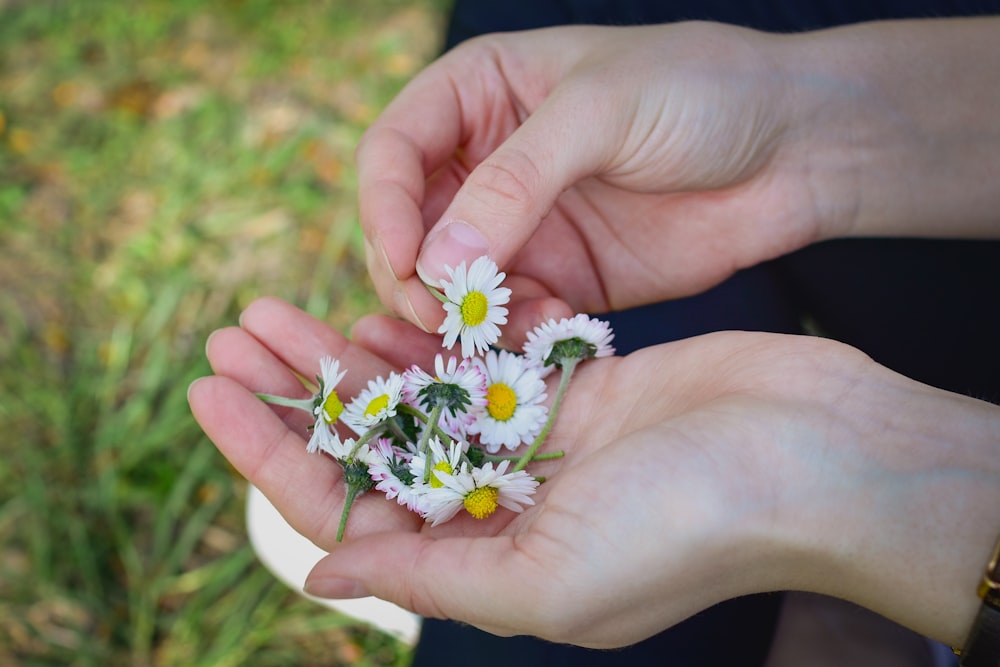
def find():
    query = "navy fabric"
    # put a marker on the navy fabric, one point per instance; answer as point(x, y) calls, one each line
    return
point(735, 633)
point(927, 309)
point(471, 17)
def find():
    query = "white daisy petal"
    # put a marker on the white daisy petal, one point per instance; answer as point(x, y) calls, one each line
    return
point(441, 461)
point(514, 413)
point(327, 404)
point(480, 491)
point(464, 374)
point(374, 404)
point(347, 450)
point(593, 332)
point(475, 306)
point(323, 438)
point(384, 468)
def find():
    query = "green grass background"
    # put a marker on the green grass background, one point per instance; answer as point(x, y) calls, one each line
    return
point(162, 163)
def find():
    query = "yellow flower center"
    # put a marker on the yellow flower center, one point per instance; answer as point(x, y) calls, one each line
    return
point(377, 405)
point(332, 407)
point(501, 401)
point(443, 466)
point(482, 502)
point(474, 307)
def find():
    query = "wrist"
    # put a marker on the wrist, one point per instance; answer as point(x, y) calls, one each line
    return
point(890, 127)
point(896, 510)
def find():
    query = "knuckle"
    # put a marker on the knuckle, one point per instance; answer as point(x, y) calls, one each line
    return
point(508, 183)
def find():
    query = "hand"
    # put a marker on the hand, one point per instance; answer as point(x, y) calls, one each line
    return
point(609, 167)
point(600, 167)
point(694, 472)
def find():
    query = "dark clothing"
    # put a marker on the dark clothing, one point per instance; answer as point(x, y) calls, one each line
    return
point(926, 308)
point(470, 17)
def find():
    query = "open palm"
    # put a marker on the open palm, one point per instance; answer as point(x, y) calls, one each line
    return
point(678, 457)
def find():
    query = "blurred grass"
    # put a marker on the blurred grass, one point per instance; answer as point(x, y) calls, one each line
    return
point(162, 163)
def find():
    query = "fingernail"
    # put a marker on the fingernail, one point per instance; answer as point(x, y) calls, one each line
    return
point(208, 341)
point(191, 386)
point(335, 587)
point(449, 246)
point(404, 307)
point(376, 249)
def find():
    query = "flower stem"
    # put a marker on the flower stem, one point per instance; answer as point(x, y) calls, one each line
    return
point(352, 493)
point(432, 422)
point(548, 456)
point(397, 432)
point(437, 293)
point(568, 366)
point(410, 410)
point(300, 403)
point(367, 436)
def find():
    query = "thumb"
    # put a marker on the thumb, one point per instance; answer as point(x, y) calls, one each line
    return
point(478, 580)
point(504, 198)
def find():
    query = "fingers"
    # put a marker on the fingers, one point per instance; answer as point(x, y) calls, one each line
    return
point(413, 138)
point(262, 448)
point(267, 446)
point(481, 580)
point(380, 335)
point(503, 200)
point(298, 340)
point(477, 108)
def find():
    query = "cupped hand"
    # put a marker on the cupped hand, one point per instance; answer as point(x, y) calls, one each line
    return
point(694, 472)
point(600, 167)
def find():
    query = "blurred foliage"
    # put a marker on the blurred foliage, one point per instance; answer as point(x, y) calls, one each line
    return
point(162, 163)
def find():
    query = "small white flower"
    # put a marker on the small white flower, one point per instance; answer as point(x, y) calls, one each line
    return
point(594, 336)
point(480, 491)
point(447, 462)
point(474, 306)
point(374, 404)
point(514, 393)
point(390, 470)
point(327, 407)
point(461, 383)
point(348, 451)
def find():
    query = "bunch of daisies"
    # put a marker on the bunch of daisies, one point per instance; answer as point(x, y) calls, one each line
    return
point(458, 439)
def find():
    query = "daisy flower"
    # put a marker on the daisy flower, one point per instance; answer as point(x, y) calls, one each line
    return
point(327, 407)
point(390, 470)
point(474, 303)
point(580, 337)
point(514, 393)
point(480, 492)
point(441, 461)
point(354, 459)
point(348, 451)
point(374, 404)
point(459, 389)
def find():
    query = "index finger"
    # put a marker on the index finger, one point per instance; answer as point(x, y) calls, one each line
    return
point(417, 133)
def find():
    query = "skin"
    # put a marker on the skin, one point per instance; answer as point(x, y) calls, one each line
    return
point(760, 462)
point(604, 168)
point(608, 167)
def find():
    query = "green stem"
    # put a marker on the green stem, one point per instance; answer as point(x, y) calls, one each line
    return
point(437, 293)
point(548, 456)
point(410, 410)
point(352, 493)
point(366, 437)
point(568, 366)
point(432, 422)
point(397, 432)
point(300, 403)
